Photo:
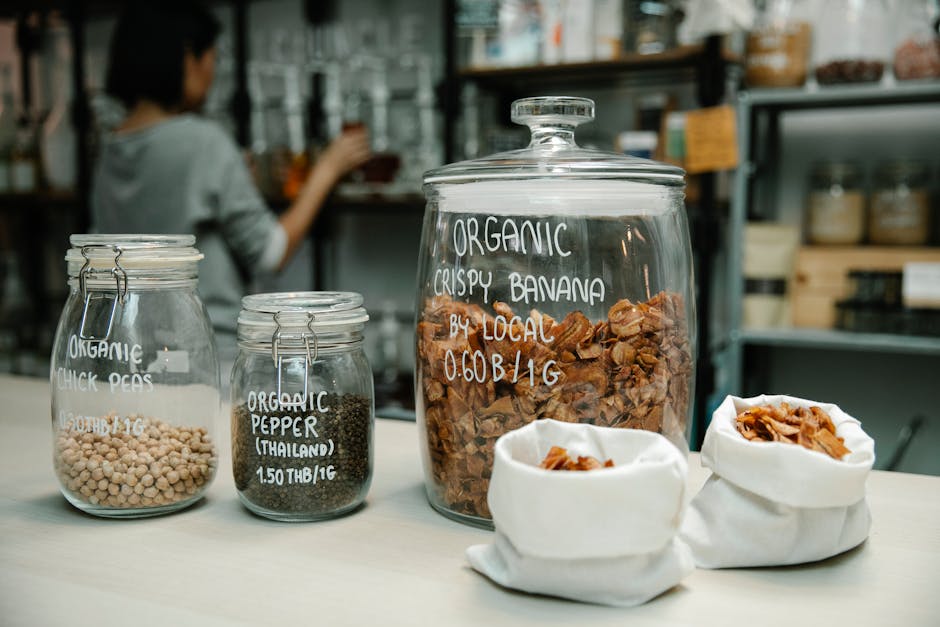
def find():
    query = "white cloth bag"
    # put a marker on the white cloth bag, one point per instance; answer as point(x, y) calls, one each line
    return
point(601, 536)
point(776, 503)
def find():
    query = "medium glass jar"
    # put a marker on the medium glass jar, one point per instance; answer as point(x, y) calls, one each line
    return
point(135, 378)
point(778, 46)
point(853, 41)
point(900, 205)
point(302, 405)
point(836, 204)
point(917, 45)
point(553, 282)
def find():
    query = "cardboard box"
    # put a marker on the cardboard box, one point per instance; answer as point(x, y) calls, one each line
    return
point(821, 276)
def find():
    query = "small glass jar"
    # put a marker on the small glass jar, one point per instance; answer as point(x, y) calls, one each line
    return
point(852, 41)
point(651, 26)
point(302, 405)
point(900, 205)
point(836, 204)
point(778, 46)
point(135, 378)
point(917, 47)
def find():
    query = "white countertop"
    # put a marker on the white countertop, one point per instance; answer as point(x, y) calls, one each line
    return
point(395, 562)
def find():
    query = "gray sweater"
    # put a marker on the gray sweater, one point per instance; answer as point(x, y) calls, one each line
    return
point(186, 175)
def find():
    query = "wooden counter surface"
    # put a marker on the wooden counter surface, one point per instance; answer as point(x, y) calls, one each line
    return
point(394, 562)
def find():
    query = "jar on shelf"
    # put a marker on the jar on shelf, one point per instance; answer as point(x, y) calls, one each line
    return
point(853, 41)
point(900, 205)
point(836, 204)
point(650, 26)
point(917, 47)
point(302, 405)
point(554, 282)
point(778, 46)
point(135, 378)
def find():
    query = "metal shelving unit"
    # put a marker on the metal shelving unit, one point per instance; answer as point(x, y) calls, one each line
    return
point(771, 104)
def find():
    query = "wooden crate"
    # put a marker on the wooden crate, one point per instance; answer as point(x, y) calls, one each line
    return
point(821, 276)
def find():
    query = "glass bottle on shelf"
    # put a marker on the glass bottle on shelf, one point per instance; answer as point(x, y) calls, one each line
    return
point(852, 42)
point(297, 159)
point(24, 158)
point(57, 133)
point(7, 127)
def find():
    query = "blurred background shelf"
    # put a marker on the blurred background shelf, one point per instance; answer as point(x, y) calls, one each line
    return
point(826, 339)
point(682, 57)
point(816, 96)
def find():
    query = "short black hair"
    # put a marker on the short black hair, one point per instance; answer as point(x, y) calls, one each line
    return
point(145, 60)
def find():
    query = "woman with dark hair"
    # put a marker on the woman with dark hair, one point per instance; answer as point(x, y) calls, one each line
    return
point(166, 169)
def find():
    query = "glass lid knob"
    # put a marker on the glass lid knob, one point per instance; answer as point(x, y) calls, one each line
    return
point(552, 119)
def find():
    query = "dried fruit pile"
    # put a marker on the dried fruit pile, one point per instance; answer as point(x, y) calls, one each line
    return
point(631, 370)
point(557, 459)
point(811, 428)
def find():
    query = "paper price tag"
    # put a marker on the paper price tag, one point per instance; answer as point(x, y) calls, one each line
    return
point(711, 140)
point(921, 285)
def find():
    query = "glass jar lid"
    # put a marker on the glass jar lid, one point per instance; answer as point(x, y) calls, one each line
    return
point(131, 253)
point(264, 314)
point(552, 152)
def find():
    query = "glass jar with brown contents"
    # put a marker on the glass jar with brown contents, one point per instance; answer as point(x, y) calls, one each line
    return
point(900, 205)
point(836, 204)
point(554, 282)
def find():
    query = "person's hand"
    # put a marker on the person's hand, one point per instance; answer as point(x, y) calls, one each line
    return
point(345, 153)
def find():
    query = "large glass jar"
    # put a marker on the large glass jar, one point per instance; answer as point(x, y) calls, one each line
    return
point(553, 282)
point(302, 405)
point(852, 41)
point(135, 378)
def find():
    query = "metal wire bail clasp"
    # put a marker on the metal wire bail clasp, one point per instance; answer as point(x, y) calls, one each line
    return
point(306, 337)
point(120, 289)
